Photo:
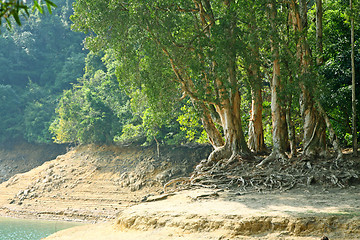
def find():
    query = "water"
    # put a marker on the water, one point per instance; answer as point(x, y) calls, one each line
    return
point(18, 229)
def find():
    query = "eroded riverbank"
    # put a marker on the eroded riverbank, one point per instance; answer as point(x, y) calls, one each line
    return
point(216, 214)
point(123, 186)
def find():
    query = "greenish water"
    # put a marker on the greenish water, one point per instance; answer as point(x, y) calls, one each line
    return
point(18, 229)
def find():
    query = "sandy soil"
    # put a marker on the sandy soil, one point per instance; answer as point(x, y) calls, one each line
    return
point(214, 214)
point(93, 183)
point(123, 186)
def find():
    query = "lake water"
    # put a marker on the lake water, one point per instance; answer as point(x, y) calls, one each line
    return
point(18, 229)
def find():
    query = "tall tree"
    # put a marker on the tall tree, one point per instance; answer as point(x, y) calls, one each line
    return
point(278, 114)
point(314, 117)
point(319, 31)
point(198, 40)
point(353, 95)
point(252, 56)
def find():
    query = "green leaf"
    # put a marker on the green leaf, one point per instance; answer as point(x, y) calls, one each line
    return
point(38, 7)
point(15, 14)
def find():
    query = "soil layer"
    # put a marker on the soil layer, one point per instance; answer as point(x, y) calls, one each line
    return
point(124, 186)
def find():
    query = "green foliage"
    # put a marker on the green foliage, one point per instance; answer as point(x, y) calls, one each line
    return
point(130, 133)
point(39, 60)
point(38, 113)
point(153, 121)
point(335, 84)
point(94, 111)
point(10, 107)
point(190, 124)
point(18, 9)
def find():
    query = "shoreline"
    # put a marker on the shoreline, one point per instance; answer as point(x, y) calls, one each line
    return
point(191, 213)
point(198, 214)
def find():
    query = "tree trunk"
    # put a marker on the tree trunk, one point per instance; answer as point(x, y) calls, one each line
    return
point(213, 133)
point(291, 129)
point(353, 102)
point(314, 141)
point(229, 107)
point(319, 32)
point(278, 114)
point(235, 144)
point(333, 138)
point(256, 133)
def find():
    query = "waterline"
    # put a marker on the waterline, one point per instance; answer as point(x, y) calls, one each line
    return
point(19, 229)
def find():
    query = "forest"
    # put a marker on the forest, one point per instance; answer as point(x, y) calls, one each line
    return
point(259, 76)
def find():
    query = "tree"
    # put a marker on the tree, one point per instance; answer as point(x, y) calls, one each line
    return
point(250, 55)
point(279, 127)
point(94, 111)
point(353, 89)
point(314, 117)
point(198, 42)
point(319, 31)
point(10, 107)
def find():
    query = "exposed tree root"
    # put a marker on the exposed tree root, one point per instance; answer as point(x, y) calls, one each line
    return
point(277, 173)
point(220, 153)
point(273, 156)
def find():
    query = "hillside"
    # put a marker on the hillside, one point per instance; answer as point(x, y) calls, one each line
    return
point(94, 183)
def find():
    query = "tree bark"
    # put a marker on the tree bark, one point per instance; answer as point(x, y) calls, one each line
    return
point(353, 96)
point(213, 133)
point(319, 32)
point(333, 138)
point(314, 117)
point(278, 114)
point(314, 141)
point(256, 132)
point(235, 144)
point(229, 107)
point(291, 129)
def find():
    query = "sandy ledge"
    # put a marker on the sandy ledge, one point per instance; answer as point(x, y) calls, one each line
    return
point(216, 214)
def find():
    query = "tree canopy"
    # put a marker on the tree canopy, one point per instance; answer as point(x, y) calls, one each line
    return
point(206, 50)
point(246, 76)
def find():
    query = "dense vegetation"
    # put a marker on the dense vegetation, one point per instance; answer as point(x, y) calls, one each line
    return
point(37, 62)
point(243, 75)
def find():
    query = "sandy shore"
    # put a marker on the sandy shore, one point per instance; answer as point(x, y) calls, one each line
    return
point(211, 214)
point(122, 188)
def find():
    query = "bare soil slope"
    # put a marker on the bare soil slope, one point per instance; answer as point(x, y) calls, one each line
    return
point(94, 183)
point(299, 199)
point(212, 214)
point(19, 156)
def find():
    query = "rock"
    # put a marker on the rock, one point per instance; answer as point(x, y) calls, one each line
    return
point(26, 192)
point(137, 185)
point(124, 176)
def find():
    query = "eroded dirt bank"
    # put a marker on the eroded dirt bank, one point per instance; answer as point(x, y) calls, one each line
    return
point(123, 186)
point(94, 183)
point(216, 214)
point(19, 156)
